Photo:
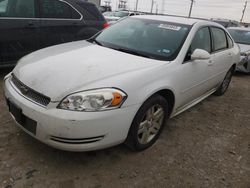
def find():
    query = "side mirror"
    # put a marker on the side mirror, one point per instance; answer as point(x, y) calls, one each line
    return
point(200, 54)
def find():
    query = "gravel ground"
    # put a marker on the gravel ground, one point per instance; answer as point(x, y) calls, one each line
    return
point(206, 146)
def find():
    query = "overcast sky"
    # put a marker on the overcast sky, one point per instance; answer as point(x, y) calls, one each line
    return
point(230, 9)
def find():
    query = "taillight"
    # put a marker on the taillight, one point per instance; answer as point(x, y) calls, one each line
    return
point(105, 25)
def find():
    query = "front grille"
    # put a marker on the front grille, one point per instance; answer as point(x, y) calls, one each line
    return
point(30, 93)
point(76, 140)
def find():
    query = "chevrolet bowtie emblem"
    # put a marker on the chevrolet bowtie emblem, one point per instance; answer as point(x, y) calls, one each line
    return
point(23, 89)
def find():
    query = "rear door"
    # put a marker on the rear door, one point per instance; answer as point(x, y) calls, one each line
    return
point(221, 57)
point(19, 28)
point(60, 22)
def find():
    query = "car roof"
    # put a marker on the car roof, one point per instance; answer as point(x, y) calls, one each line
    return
point(240, 28)
point(175, 19)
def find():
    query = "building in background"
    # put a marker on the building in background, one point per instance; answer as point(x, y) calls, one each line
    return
point(106, 7)
point(122, 5)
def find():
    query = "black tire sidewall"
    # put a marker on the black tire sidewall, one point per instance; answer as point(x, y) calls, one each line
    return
point(220, 90)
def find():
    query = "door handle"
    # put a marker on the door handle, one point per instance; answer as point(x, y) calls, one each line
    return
point(230, 54)
point(30, 26)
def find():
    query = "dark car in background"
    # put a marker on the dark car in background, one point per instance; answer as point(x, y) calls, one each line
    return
point(226, 22)
point(29, 25)
point(105, 9)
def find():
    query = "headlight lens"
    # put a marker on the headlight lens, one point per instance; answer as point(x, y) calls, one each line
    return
point(94, 100)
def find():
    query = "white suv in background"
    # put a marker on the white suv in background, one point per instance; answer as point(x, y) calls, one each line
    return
point(241, 36)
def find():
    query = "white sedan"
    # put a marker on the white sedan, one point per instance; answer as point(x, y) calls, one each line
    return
point(121, 85)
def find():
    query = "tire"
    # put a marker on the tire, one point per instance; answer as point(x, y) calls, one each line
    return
point(225, 84)
point(148, 123)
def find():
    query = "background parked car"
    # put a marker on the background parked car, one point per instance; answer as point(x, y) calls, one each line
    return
point(113, 17)
point(241, 36)
point(29, 25)
point(226, 23)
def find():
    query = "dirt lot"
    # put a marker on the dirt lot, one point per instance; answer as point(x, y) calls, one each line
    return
point(207, 146)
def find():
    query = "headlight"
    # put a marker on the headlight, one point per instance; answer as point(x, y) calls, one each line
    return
point(94, 100)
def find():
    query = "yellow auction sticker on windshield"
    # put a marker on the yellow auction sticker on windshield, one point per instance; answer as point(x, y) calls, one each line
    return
point(170, 27)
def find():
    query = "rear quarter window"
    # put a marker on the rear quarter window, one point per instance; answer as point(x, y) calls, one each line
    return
point(90, 12)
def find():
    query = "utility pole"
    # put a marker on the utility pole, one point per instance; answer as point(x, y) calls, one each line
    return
point(136, 5)
point(152, 5)
point(243, 12)
point(191, 7)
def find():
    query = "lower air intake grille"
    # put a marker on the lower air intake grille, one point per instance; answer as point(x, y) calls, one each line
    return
point(30, 93)
point(76, 140)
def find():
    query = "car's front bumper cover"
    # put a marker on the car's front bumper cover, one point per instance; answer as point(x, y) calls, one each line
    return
point(244, 64)
point(73, 131)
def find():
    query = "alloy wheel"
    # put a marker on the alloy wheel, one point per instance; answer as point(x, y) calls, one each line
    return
point(150, 124)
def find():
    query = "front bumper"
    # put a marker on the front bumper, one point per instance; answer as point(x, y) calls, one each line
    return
point(74, 131)
point(244, 64)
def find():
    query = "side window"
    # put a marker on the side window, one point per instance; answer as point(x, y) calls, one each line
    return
point(202, 40)
point(57, 9)
point(18, 8)
point(219, 39)
point(230, 42)
point(3, 7)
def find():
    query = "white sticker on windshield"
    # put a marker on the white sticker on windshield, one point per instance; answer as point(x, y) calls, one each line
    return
point(170, 27)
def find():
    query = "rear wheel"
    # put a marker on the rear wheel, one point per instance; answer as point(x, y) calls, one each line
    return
point(148, 123)
point(225, 84)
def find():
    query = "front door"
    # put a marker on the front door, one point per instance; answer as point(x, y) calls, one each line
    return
point(196, 74)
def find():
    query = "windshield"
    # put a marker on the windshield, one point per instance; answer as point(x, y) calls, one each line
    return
point(240, 36)
point(121, 14)
point(150, 38)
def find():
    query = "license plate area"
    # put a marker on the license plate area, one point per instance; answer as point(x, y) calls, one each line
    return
point(27, 123)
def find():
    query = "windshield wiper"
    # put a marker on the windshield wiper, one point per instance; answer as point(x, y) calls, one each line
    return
point(93, 40)
point(132, 52)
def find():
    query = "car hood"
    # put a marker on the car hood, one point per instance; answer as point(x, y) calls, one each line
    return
point(244, 48)
point(60, 70)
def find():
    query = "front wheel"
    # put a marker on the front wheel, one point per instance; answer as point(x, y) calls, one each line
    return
point(148, 123)
point(225, 84)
